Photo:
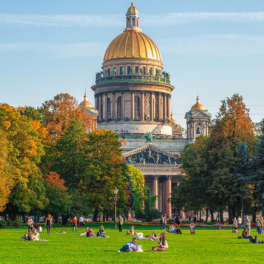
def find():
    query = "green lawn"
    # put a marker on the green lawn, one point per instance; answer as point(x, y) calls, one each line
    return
point(206, 246)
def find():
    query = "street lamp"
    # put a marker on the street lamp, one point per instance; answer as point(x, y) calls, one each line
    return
point(262, 204)
point(115, 199)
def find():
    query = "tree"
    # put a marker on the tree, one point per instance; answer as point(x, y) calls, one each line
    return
point(56, 192)
point(59, 112)
point(31, 112)
point(25, 150)
point(6, 180)
point(92, 165)
point(243, 172)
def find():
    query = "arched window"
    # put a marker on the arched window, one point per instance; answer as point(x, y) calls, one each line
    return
point(199, 129)
point(137, 107)
point(109, 108)
point(119, 107)
point(133, 22)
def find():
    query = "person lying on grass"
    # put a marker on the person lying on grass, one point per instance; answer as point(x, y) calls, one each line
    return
point(101, 232)
point(129, 246)
point(27, 237)
point(152, 236)
point(35, 235)
point(131, 231)
point(163, 244)
point(171, 229)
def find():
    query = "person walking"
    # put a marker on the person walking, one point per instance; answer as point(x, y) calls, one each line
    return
point(30, 223)
point(259, 224)
point(81, 221)
point(74, 224)
point(235, 222)
point(239, 221)
point(121, 221)
point(164, 221)
point(48, 223)
point(262, 218)
point(248, 223)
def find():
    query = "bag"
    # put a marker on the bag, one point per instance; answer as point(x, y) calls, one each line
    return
point(257, 240)
point(39, 229)
point(240, 237)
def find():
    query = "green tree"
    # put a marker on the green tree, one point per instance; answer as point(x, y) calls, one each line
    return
point(243, 172)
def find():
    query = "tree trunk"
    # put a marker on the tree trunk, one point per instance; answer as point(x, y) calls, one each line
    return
point(230, 220)
point(212, 215)
point(103, 217)
point(221, 216)
point(65, 219)
point(107, 217)
point(207, 213)
point(95, 214)
point(57, 219)
point(200, 216)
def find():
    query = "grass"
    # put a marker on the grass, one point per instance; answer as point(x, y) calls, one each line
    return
point(206, 246)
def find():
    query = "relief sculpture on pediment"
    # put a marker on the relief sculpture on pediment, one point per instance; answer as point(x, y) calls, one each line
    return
point(150, 156)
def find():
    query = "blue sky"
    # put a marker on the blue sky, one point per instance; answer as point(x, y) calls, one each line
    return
point(214, 47)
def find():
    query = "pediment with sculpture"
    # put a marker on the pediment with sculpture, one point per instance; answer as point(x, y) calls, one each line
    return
point(150, 155)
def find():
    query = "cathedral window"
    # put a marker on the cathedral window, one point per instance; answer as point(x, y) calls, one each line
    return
point(133, 22)
point(128, 70)
point(136, 70)
point(108, 108)
point(119, 107)
point(137, 108)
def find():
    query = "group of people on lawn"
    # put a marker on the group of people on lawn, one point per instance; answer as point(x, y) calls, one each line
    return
point(260, 224)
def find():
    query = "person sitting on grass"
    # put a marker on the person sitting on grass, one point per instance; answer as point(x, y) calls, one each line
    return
point(245, 234)
point(91, 233)
point(129, 246)
point(35, 235)
point(87, 231)
point(171, 229)
point(27, 237)
point(131, 231)
point(163, 244)
point(178, 231)
point(101, 232)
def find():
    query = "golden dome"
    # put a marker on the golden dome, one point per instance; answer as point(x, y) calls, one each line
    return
point(132, 9)
point(198, 106)
point(85, 103)
point(172, 118)
point(132, 44)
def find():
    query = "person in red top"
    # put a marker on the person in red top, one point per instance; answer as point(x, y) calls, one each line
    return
point(74, 224)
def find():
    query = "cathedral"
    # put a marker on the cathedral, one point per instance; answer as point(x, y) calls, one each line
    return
point(133, 98)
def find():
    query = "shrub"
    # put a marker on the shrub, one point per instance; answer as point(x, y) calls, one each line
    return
point(17, 223)
point(3, 224)
point(9, 223)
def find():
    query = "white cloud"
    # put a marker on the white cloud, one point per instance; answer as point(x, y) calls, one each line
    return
point(212, 45)
point(93, 49)
point(117, 20)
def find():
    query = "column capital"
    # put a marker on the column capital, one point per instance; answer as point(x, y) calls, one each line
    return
point(113, 92)
point(151, 92)
point(132, 91)
point(142, 92)
point(106, 93)
point(169, 95)
point(122, 92)
point(168, 178)
point(156, 177)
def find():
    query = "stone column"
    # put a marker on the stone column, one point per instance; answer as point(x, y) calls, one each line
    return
point(105, 106)
point(159, 104)
point(100, 107)
point(122, 106)
point(96, 103)
point(194, 132)
point(168, 196)
point(169, 106)
point(132, 104)
point(142, 105)
point(151, 106)
point(113, 116)
point(164, 202)
point(156, 190)
point(164, 107)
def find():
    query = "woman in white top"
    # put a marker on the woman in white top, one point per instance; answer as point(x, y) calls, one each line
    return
point(30, 223)
point(35, 235)
point(163, 244)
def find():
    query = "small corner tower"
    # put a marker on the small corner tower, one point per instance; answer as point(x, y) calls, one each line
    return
point(85, 104)
point(197, 120)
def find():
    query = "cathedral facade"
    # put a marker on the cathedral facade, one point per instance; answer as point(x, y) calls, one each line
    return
point(133, 98)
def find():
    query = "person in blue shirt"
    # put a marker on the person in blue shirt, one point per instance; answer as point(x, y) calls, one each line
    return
point(129, 246)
